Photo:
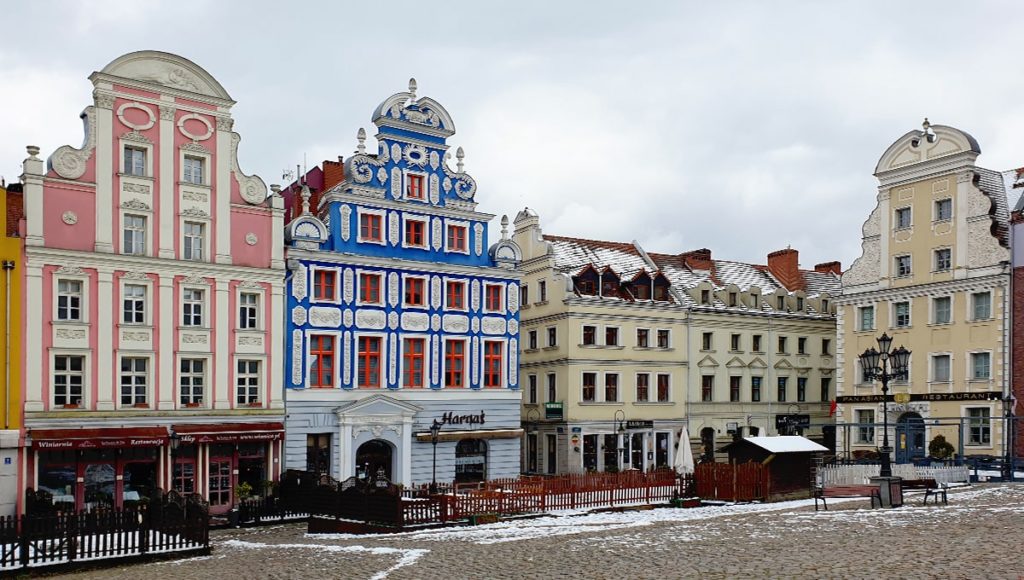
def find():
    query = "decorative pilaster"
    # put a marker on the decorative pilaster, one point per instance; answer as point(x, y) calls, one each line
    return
point(106, 354)
point(167, 190)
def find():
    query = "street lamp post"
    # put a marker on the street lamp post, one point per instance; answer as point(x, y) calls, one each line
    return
point(883, 365)
point(175, 440)
point(435, 429)
point(620, 417)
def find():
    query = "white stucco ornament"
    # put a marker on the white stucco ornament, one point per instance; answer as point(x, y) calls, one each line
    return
point(70, 218)
point(251, 239)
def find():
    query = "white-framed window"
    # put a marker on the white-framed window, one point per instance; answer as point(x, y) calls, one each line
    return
point(611, 387)
point(248, 310)
point(663, 385)
point(903, 218)
point(981, 366)
point(415, 232)
point(865, 425)
point(664, 338)
point(542, 291)
point(455, 295)
point(135, 160)
point(371, 225)
point(134, 381)
point(69, 300)
point(979, 426)
point(192, 306)
point(589, 335)
point(325, 284)
point(903, 266)
point(643, 387)
point(611, 336)
point(552, 336)
point(193, 170)
point(942, 310)
point(133, 304)
point(901, 314)
point(531, 391)
point(68, 380)
point(943, 259)
point(981, 306)
point(494, 298)
point(194, 234)
point(416, 186)
point(455, 370)
point(456, 237)
point(941, 368)
point(191, 381)
point(943, 209)
point(532, 340)
point(371, 288)
point(134, 241)
point(866, 318)
point(414, 362)
point(414, 291)
point(248, 381)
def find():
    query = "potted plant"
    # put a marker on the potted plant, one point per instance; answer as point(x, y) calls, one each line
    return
point(939, 448)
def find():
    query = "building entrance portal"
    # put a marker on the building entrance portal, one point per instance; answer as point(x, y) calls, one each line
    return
point(372, 456)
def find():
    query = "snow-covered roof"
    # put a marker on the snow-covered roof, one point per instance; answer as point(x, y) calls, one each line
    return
point(786, 444)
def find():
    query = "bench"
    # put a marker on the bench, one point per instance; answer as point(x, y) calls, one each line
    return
point(870, 491)
point(930, 487)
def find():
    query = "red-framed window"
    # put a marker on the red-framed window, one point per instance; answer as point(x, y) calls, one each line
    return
point(412, 362)
point(454, 363)
point(414, 291)
point(324, 284)
point(493, 357)
point(456, 295)
point(369, 288)
point(414, 186)
point(369, 362)
point(493, 297)
point(321, 351)
point(456, 238)
point(414, 233)
point(370, 227)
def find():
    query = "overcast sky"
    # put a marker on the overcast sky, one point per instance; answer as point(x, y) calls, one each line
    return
point(744, 127)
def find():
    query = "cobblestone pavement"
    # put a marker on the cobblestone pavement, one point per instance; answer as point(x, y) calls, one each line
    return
point(980, 534)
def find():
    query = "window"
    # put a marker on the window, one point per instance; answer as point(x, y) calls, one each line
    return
point(611, 336)
point(414, 292)
point(492, 362)
point(68, 379)
point(524, 295)
point(780, 303)
point(801, 389)
point(533, 339)
point(943, 209)
point(248, 310)
point(193, 247)
point(664, 338)
point(414, 186)
point(705, 341)
point(532, 389)
point(134, 235)
point(734, 389)
point(826, 346)
point(901, 314)
point(943, 259)
point(643, 339)
point(369, 288)
point(980, 426)
point(318, 453)
point(493, 297)
point(732, 299)
point(412, 364)
point(782, 345)
point(134, 375)
point(589, 387)
point(707, 388)
point(193, 170)
point(415, 235)
point(191, 381)
point(824, 307)
point(247, 382)
point(902, 218)
point(324, 285)
point(455, 296)
point(642, 291)
point(192, 307)
point(542, 290)
point(866, 317)
point(454, 363)
point(755, 343)
point(866, 426)
point(69, 300)
point(321, 351)
point(552, 336)
point(664, 388)
point(800, 303)
point(611, 387)
point(552, 393)
point(755, 389)
point(370, 227)
point(643, 383)
point(826, 389)
point(902, 266)
point(589, 335)
point(940, 368)
point(734, 343)
point(782, 389)
point(942, 309)
point(981, 305)
point(981, 367)
point(801, 345)
point(705, 296)
point(134, 161)
point(134, 304)
point(368, 362)
point(456, 238)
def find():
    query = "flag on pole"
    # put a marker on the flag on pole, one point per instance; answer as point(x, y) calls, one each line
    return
point(832, 409)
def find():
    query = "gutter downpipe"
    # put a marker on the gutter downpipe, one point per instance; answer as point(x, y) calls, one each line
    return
point(8, 266)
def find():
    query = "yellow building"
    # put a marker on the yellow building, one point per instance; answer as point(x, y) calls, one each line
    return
point(933, 274)
point(11, 435)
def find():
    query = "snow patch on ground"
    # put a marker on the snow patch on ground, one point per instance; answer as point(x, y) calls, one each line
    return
point(407, 556)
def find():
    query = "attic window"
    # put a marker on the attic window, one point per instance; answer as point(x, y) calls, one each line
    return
point(824, 306)
point(705, 296)
point(799, 303)
point(642, 291)
point(661, 293)
point(732, 299)
point(609, 287)
point(587, 287)
point(781, 303)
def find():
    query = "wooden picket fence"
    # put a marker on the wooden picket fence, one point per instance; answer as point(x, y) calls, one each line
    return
point(732, 481)
point(861, 474)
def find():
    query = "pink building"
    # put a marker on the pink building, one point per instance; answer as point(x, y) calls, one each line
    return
point(154, 275)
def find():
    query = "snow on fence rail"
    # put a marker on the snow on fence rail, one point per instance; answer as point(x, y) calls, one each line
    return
point(831, 475)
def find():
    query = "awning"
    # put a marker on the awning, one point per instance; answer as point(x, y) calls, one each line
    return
point(113, 438)
point(473, 434)
point(230, 432)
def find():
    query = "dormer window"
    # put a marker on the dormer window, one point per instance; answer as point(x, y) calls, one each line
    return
point(799, 303)
point(608, 288)
point(414, 186)
point(732, 299)
point(781, 303)
point(587, 287)
point(642, 291)
point(705, 296)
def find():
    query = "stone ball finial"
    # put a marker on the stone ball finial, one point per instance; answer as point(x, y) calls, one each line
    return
point(926, 125)
point(33, 150)
point(412, 88)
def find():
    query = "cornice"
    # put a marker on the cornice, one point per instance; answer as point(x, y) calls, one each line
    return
point(987, 282)
point(40, 256)
point(348, 259)
point(404, 206)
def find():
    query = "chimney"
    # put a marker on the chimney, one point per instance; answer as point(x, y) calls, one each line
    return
point(697, 259)
point(826, 267)
point(334, 173)
point(785, 266)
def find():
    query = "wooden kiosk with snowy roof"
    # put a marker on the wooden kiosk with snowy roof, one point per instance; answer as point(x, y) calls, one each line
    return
point(788, 459)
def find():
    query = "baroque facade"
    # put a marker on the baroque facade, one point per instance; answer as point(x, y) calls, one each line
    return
point(933, 274)
point(399, 313)
point(154, 282)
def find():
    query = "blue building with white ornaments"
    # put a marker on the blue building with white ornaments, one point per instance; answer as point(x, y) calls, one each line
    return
point(400, 315)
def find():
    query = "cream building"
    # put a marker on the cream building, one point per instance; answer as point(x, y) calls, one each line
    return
point(933, 274)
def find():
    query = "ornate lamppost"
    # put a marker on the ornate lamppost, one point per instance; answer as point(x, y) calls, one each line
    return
point(883, 365)
point(175, 440)
point(435, 429)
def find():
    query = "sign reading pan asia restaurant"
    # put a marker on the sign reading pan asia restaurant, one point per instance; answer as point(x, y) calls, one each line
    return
point(982, 396)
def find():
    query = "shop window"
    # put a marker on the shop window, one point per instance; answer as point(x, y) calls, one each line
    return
point(590, 443)
point(470, 460)
point(611, 452)
point(184, 478)
point(252, 466)
point(318, 453)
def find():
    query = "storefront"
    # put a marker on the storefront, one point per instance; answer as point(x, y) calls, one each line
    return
point(643, 445)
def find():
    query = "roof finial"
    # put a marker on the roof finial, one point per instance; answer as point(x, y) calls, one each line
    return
point(361, 137)
point(412, 89)
point(460, 155)
point(305, 194)
point(504, 227)
point(926, 125)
